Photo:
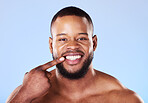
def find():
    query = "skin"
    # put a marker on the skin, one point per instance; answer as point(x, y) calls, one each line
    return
point(40, 86)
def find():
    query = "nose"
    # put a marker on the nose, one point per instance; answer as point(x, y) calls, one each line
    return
point(73, 45)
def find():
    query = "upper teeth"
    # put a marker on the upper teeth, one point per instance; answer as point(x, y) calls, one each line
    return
point(73, 57)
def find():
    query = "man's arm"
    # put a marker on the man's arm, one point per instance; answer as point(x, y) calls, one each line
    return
point(13, 94)
point(36, 83)
point(18, 96)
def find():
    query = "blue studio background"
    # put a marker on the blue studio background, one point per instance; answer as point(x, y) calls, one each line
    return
point(121, 27)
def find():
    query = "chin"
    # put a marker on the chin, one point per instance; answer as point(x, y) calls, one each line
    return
point(72, 69)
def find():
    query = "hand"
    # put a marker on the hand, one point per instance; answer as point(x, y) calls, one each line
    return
point(36, 83)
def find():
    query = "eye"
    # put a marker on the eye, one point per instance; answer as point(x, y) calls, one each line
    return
point(82, 38)
point(64, 39)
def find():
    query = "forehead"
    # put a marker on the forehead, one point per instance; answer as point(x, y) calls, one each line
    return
point(71, 24)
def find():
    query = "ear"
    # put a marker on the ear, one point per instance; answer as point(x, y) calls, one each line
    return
point(50, 45)
point(94, 38)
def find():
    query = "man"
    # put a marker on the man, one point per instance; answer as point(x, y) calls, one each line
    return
point(74, 80)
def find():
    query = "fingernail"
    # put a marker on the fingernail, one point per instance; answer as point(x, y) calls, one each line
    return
point(62, 58)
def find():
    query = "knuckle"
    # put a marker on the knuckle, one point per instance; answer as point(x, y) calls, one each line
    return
point(36, 72)
point(39, 67)
point(57, 61)
point(51, 63)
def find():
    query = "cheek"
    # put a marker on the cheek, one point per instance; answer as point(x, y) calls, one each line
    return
point(90, 47)
point(57, 49)
point(55, 53)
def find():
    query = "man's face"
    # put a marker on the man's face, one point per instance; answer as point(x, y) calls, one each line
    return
point(72, 38)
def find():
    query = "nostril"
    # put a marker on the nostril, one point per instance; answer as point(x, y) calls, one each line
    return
point(72, 45)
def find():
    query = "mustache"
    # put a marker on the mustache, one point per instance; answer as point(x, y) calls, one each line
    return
point(73, 51)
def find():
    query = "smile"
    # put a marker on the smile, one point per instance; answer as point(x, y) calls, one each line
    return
point(73, 57)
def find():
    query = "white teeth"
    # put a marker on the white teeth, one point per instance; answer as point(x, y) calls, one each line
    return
point(73, 57)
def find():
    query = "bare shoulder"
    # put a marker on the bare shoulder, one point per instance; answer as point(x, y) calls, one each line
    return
point(13, 93)
point(124, 96)
point(108, 81)
point(115, 92)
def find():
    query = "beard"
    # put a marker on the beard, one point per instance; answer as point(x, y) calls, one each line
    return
point(77, 74)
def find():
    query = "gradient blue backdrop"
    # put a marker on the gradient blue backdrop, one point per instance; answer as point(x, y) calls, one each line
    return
point(121, 27)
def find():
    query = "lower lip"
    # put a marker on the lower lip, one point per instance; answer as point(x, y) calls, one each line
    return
point(73, 62)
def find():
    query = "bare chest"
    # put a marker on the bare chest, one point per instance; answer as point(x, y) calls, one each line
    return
point(60, 99)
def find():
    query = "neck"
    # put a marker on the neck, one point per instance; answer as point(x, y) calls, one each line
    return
point(75, 87)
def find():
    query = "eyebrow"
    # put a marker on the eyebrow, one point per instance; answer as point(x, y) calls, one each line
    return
point(60, 34)
point(83, 33)
point(65, 34)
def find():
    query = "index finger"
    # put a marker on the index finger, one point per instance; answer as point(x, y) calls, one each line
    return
point(51, 63)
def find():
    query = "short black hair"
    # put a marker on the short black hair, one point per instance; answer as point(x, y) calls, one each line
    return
point(71, 10)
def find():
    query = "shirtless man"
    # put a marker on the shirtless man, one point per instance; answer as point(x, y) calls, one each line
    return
point(74, 80)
